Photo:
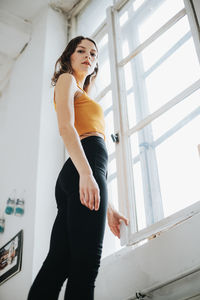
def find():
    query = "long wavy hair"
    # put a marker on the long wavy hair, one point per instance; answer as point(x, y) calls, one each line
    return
point(63, 64)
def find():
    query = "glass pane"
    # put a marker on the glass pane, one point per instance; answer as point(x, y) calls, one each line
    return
point(123, 18)
point(134, 144)
point(103, 77)
point(158, 18)
point(102, 81)
point(128, 76)
point(161, 45)
point(175, 114)
point(135, 28)
point(106, 104)
point(103, 42)
point(174, 75)
point(179, 170)
point(106, 101)
point(131, 110)
point(113, 198)
point(113, 192)
point(137, 4)
point(109, 130)
point(139, 196)
point(112, 168)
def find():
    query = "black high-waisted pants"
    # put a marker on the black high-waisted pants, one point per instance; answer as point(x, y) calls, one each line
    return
point(77, 234)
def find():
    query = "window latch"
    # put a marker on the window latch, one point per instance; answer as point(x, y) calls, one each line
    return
point(142, 296)
point(115, 137)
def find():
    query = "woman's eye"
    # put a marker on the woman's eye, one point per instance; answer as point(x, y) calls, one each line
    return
point(92, 53)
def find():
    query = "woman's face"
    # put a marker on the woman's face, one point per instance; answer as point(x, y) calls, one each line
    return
point(84, 58)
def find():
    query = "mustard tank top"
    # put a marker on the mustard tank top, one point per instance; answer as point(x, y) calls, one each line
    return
point(89, 116)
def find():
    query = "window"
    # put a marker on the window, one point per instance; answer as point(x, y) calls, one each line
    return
point(159, 82)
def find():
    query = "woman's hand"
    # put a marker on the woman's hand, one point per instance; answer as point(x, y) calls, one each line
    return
point(114, 221)
point(89, 191)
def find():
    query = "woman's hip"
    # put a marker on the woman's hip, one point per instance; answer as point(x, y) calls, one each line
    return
point(96, 152)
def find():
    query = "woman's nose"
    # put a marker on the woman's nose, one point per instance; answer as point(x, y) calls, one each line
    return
point(87, 55)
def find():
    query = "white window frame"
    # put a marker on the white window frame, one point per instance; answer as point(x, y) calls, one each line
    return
point(125, 163)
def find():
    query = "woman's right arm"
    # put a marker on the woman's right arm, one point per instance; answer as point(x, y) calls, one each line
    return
point(64, 96)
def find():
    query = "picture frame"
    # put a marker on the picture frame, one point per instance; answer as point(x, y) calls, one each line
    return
point(11, 257)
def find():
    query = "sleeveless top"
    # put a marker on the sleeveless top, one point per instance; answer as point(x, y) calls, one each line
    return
point(89, 116)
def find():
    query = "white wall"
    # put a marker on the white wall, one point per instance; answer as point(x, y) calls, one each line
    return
point(31, 149)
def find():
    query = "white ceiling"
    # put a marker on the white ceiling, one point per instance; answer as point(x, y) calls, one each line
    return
point(15, 29)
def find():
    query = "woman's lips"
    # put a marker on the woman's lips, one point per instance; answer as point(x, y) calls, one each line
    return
point(86, 63)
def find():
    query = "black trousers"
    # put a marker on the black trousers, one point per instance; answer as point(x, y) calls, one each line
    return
point(77, 235)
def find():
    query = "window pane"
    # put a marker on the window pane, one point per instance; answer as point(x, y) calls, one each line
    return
point(139, 196)
point(174, 75)
point(103, 42)
point(161, 45)
point(113, 197)
point(175, 114)
point(179, 170)
point(134, 144)
point(167, 175)
point(106, 104)
point(109, 130)
point(128, 76)
point(131, 110)
point(103, 81)
point(159, 17)
point(106, 101)
point(113, 192)
point(103, 78)
point(135, 28)
point(137, 4)
point(112, 168)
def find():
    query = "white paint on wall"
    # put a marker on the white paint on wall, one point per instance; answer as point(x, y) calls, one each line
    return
point(31, 148)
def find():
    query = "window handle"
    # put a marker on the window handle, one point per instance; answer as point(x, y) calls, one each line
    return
point(115, 137)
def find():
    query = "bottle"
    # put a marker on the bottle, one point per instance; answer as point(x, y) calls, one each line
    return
point(19, 209)
point(2, 224)
point(10, 204)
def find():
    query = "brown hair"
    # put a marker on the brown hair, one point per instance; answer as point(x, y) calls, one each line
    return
point(63, 64)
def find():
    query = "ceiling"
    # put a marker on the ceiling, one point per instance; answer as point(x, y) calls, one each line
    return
point(15, 28)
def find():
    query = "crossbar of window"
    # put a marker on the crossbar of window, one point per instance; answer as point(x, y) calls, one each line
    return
point(153, 37)
point(177, 99)
point(195, 113)
point(170, 52)
point(103, 93)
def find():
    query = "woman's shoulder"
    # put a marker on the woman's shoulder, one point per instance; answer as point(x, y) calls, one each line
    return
point(66, 77)
point(66, 81)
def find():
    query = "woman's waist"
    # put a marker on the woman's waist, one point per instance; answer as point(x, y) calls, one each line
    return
point(95, 133)
point(95, 150)
point(94, 140)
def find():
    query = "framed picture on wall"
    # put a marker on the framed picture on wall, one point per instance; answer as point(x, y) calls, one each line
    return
point(11, 257)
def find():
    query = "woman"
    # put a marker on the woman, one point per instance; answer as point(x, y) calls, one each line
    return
point(81, 187)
